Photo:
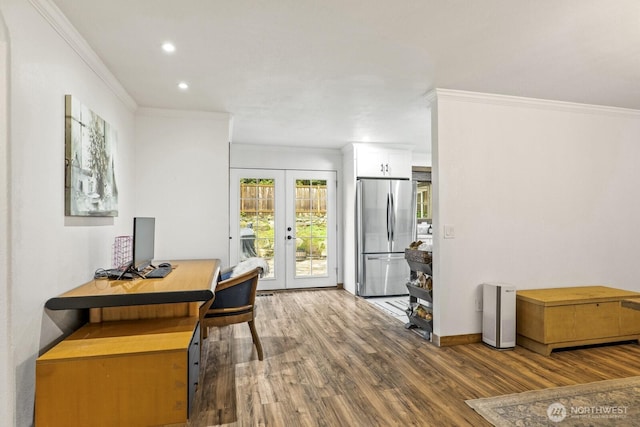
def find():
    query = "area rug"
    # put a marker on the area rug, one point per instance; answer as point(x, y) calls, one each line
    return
point(602, 403)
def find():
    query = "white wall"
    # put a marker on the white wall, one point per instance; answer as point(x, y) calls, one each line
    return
point(51, 254)
point(540, 194)
point(250, 156)
point(421, 159)
point(182, 179)
point(6, 363)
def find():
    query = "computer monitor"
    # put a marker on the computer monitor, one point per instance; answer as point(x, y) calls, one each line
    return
point(143, 242)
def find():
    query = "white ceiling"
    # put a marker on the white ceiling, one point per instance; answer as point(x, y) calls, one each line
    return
point(321, 73)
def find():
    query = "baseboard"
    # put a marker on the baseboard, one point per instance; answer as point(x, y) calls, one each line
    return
point(451, 340)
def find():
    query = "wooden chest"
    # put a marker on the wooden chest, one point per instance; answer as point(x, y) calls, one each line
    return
point(552, 318)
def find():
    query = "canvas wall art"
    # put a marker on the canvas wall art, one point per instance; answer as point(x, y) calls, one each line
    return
point(90, 182)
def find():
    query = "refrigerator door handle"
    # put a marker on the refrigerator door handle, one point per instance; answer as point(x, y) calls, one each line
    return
point(393, 217)
point(391, 256)
point(388, 218)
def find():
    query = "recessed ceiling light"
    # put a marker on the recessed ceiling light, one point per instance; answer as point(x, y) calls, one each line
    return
point(183, 85)
point(168, 47)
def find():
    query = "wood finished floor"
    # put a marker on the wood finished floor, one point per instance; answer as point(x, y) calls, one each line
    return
point(332, 359)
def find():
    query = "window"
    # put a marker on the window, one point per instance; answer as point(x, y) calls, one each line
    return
point(422, 177)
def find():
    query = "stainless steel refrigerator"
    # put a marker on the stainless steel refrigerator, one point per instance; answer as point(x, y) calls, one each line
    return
point(386, 225)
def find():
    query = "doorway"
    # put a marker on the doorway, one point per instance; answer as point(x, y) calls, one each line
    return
point(288, 218)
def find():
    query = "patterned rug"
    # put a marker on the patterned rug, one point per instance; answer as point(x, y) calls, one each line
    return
point(602, 403)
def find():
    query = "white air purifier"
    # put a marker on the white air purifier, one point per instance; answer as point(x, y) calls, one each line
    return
point(499, 315)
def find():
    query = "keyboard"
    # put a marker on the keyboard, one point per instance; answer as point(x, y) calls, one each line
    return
point(158, 273)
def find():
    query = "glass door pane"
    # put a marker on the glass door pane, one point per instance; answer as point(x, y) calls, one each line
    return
point(311, 211)
point(257, 222)
point(311, 228)
point(257, 213)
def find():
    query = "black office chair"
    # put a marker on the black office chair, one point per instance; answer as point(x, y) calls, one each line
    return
point(234, 302)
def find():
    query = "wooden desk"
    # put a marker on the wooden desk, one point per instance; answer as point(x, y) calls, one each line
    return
point(552, 318)
point(137, 364)
point(190, 281)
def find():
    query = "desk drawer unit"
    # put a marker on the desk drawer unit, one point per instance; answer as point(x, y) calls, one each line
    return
point(194, 367)
point(129, 373)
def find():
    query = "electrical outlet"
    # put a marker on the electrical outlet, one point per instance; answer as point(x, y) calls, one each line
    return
point(478, 304)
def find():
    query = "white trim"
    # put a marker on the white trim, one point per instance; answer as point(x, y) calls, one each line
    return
point(432, 96)
point(231, 127)
point(518, 101)
point(54, 16)
point(185, 114)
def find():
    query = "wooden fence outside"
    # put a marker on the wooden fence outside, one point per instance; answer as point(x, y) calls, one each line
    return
point(259, 198)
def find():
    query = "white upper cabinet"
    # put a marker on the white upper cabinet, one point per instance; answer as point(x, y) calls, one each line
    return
point(382, 162)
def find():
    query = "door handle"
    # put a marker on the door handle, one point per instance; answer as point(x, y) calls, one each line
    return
point(393, 217)
point(386, 258)
point(388, 219)
point(289, 237)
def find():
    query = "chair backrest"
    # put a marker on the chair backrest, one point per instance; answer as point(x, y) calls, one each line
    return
point(237, 291)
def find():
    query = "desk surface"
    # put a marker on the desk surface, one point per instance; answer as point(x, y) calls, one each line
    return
point(190, 281)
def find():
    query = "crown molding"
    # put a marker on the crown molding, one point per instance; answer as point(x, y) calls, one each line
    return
point(54, 16)
point(544, 104)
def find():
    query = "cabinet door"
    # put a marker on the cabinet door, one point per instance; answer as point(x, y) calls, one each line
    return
point(398, 164)
point(382, 162)
point(370, 162)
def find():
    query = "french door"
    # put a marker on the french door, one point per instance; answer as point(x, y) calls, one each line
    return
point(288, 218)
